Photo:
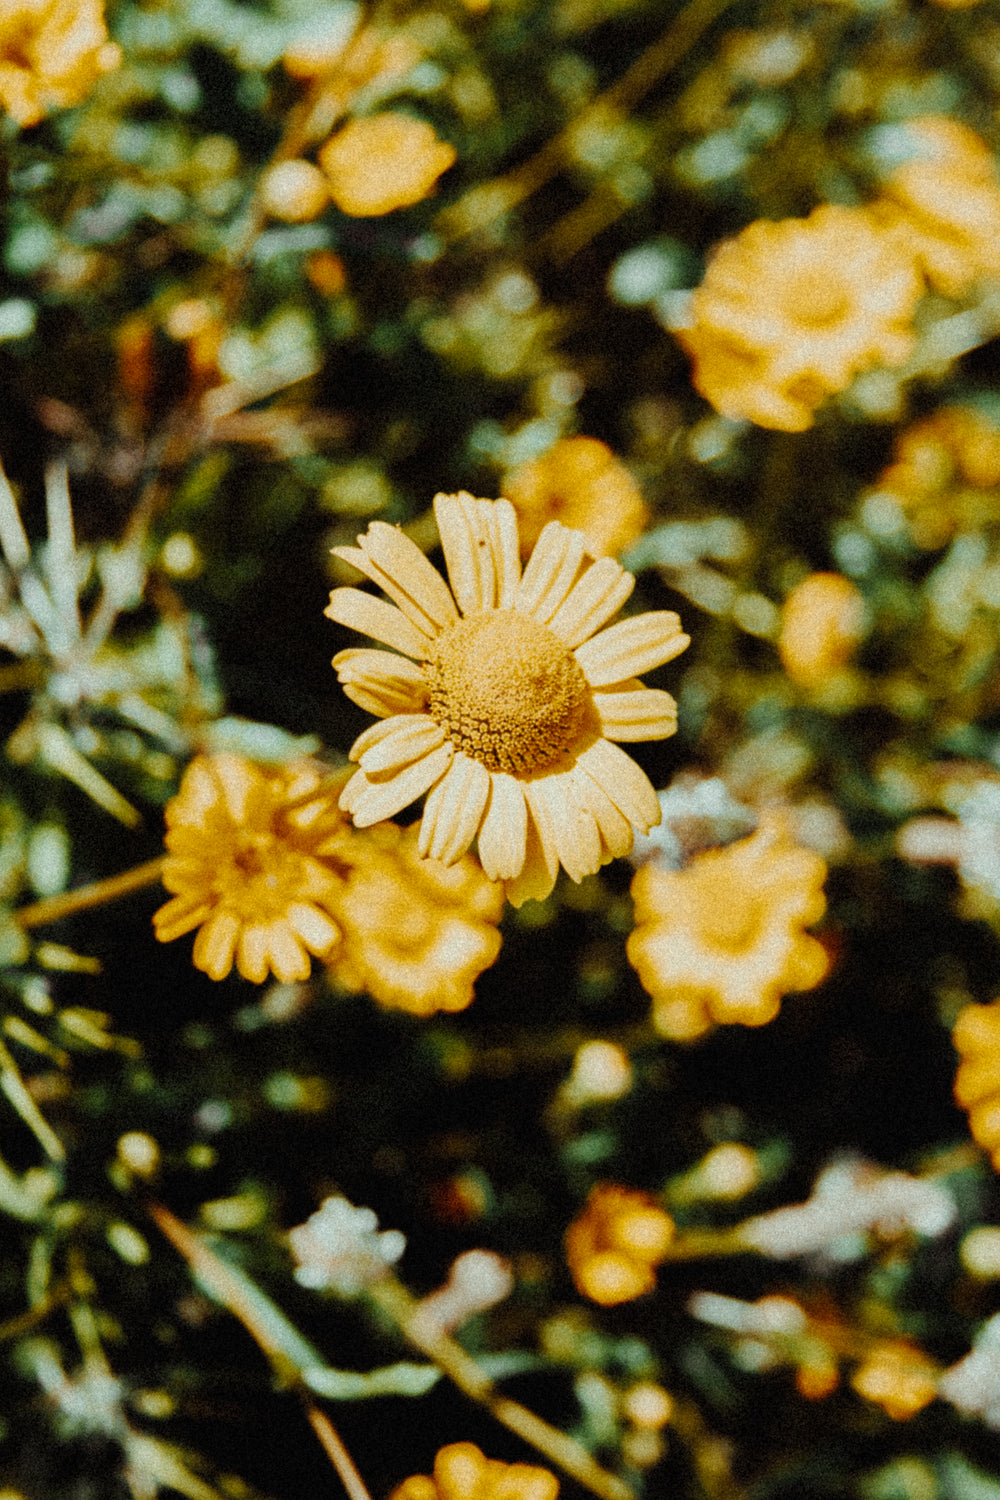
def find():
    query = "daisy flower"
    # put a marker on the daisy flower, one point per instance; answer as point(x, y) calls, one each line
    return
point(508, 698)
point(463, 1472)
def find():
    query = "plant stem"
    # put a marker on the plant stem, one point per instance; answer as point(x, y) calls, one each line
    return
point(448, 1355)
point(54, 908)
point(335, 1451)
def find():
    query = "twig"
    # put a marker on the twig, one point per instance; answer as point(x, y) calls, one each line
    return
point(54, 908)
point(335, 1451)
point(448, 1354)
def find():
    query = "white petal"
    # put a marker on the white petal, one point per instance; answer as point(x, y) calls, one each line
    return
point(646, 714)
point(374, 617)
point(383, 799)
point(613, 826)
point(593, 600)
point(375, 733)
point(632, 647)
point(380, 681)
point(389, 558)
point(624, 782)
point(466, 543)
point(415, 735)
point(538, 874)
point(454, 810)
point(504, 828)
point(565, 823)
point(506, 552)
point(552, 567)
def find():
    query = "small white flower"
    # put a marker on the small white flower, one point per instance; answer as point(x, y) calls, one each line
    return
point(340, 1248)
point(973, 1385)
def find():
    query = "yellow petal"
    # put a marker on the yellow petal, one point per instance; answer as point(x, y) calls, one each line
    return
point(389, 558)
point(567, 827)
point(632, 647)
point(593, 600)
point(538, 873)
point(252, 951)
point(288, 959)
point(414, 735)
point(378, 800)
point(388, 684)
point(454, 810)
point(552, 568)
point(465, 539)
point(646, 714)
point(624, 782)
point(313, 927)
point(237, 780)
point(215, 944)
point(373, 617)
point(179, 916)
point(504, 828)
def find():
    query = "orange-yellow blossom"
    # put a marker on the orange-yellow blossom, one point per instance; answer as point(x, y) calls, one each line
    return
point(581, 483)
point(247, 865)
point(976, 1038)
point(463, 1472)
point(898, 1377)
point(416, 933)
point(382, 162)
point(52, 52)
point(614, 1246)
point(723, 939)
point(821, 624)
point(790, 311)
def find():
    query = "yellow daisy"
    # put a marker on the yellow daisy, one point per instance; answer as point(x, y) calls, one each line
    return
point(614, 1246)
point(52, 52)
point(463, 1472)
point(245, 866)
point(508, 698)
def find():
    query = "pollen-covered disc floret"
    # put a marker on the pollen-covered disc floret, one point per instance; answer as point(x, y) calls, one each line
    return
point(503, 696)
point(506, 691)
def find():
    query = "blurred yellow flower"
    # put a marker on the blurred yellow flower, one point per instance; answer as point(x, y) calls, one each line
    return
point(463, 1472)
point(976, 1039)
point(505, 707)
point(821, 625)
point(581, 483)
point(945, 475)
point(790, 312)
point(614, 1246)
point(383, 162)
point(722, 940)
point(944, 204)
point(416, 933)
point(245, 865)
point(898, 1377)
point(52, 52)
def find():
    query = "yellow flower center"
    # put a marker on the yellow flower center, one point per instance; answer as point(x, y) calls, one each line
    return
point(816, 298)
point(506, 691)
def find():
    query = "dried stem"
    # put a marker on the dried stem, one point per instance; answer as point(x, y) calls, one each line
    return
point(54, 908)
point(335, 1451)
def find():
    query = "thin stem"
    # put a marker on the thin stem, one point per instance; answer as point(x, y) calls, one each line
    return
point(449, 1356)
point(54, 908)
point(335, 1451)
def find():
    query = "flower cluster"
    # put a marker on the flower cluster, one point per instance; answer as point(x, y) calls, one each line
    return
point(898, 1377)
point(977, 1082)
point(340, 1248)
point(463, 1472)
point(581, 483)
point(265, 865)
point(722, 940)
point(616, 1243)
point(508, 696)
point(52, 52)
